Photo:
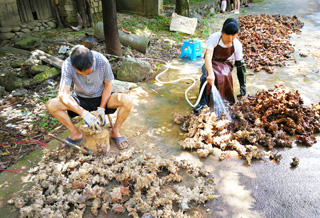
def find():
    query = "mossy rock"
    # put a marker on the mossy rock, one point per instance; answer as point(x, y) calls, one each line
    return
point(19, 64)
point(28, 43)
point(7, 80)
point(50, 73)
point(22, 74)
point(133, 70)
point(36, 69)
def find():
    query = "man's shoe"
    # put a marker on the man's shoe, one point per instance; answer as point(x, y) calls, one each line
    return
point(197, 108)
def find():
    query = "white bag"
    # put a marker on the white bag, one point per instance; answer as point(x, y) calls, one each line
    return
point(183, 24)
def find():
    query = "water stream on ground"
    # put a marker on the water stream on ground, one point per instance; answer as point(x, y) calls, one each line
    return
point(218, 105)
point(266, 189)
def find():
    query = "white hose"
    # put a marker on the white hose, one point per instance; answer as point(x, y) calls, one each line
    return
point(174, 81)
point(187, 90)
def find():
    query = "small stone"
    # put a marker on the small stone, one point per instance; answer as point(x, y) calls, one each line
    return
point(25, 30)
point(4, 36)
point(295, 162)
point(24, 25)
point(16, 28)
point(5, 29)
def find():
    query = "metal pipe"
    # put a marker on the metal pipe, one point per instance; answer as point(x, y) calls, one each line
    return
point(70, 144)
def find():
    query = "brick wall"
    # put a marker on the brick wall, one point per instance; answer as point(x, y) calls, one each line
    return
point(67, 11)
point(96, 6)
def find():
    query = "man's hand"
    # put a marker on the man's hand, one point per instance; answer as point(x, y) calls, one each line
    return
point(102, 115)
point(210, 79)
point(91, 121)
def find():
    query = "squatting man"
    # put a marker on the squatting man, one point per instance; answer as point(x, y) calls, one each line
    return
point(91, 74)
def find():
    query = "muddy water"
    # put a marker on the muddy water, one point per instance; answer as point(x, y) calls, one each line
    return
point(266, 189)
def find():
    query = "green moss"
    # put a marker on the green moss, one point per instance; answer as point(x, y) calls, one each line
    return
point(45, 75)
point(18, 64)
point(39, 68)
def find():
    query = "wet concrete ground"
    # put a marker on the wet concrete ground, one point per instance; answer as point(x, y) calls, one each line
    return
point(265, 189)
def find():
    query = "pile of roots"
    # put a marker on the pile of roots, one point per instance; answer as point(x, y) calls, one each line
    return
point(142, 185)
point(265, 39)
point(267, 120)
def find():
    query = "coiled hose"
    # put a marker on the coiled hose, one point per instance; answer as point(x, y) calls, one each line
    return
point(187, 90)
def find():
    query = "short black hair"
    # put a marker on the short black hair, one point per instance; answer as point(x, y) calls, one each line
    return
point(230, 26)
point(81, 58)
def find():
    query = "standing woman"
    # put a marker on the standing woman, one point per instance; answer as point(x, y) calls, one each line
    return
point(217, 70)
point(232, 6)
point(223, 6)
point(236, 6)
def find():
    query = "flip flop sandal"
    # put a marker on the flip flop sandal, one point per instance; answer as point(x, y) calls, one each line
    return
point(119, 141)
point(72, 141)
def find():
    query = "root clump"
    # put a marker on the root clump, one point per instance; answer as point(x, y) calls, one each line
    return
point(265, 120)
point(68, 183)
point(265, 39)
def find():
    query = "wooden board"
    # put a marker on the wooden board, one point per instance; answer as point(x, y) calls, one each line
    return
point(25, 11)
point(42, 8)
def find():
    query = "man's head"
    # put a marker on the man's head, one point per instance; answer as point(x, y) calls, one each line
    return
point(230, 30)
point(82, 60)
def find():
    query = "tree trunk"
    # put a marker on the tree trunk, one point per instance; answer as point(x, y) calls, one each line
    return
point(183, 7)
point(80, 4)
point(89, 12)
point(56, 12)
point(110, 27)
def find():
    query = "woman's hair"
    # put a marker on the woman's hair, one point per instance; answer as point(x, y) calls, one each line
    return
point(230, 26)
point(81, 58)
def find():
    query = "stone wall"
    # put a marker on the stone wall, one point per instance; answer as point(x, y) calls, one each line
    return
point(15, 31)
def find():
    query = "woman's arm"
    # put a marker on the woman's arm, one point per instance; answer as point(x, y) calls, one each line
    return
point(208, 64)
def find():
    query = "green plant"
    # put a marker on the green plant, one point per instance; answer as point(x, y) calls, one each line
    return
point(205, 32)
point(81, 32)
point(196, 1)
point(159, 65)
point(159, 23)
point(206, 22)
point(49, 94)
point(44, 119)
point(47, 122)
point(177, 36)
